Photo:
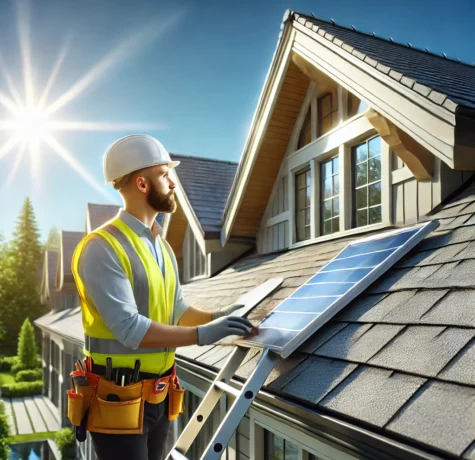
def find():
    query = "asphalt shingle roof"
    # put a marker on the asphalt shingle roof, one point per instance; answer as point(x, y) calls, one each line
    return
point(444, 81)
point(206, 183)
point(99, 214)
point(400, 358)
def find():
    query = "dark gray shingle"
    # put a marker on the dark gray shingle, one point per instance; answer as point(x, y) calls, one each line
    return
point(442, 415)
point(372, 395)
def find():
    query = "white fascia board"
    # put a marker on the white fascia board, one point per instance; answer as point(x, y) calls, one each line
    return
point(354, 129)
point(189, 213)
point(166, 224)
point(267, 99)
point(88, 220)
point(428, 123)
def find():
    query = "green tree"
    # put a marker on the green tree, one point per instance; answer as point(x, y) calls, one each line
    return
point(52, 243)
point(4, 427)
point(27, 345)
point(20, 277)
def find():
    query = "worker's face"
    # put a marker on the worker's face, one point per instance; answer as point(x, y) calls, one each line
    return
point(161, 193)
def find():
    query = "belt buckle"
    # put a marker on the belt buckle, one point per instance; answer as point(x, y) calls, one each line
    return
point(160, 384)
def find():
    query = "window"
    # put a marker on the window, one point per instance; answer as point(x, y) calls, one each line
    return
point(302, 204)
point(367, 183)
point(324, 109)
point(277, 448)
point(305, 136)
point(196, 258)
point(355, 105)
point(330, 200)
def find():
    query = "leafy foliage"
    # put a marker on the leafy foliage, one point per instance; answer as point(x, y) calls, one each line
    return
point(29, 375)
point(66, 442)
point(52, 243)
point(6, 362)
point(20, 262)
point(27, 345)
point(16, 390)
point(4, 426)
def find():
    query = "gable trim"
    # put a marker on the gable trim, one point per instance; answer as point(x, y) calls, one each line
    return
point(434, 128)
point(279, 65)
point(191, 217)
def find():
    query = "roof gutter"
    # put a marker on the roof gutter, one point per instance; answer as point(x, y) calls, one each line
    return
point(345, 436)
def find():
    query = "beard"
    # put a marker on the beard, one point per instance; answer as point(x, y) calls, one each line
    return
point(160, 202)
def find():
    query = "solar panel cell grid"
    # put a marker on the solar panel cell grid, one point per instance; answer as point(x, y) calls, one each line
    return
point(333, 287)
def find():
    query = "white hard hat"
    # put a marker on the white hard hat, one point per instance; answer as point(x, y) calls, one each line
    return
point(134, 152)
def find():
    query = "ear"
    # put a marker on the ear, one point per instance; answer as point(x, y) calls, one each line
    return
point(141, 183)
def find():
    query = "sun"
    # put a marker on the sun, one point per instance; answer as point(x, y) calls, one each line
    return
point(30, 118)
point(30, 125)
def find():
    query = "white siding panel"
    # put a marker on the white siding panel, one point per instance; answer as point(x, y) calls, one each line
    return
point(424, 197)
point(398, 204)
point(410, 202)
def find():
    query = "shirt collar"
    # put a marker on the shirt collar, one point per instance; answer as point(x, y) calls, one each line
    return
point(138, 226)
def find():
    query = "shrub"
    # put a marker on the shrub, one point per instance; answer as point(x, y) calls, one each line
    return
point(17, 367)
point(29, 375)
point(25, 389)
point(6, 362)
point(27, 345)
point(66, 442)
point(4, 427)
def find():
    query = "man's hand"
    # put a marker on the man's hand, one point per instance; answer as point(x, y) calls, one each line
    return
point(222, 327)
point(226, 311)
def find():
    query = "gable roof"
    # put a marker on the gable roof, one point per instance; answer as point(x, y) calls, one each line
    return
point(394, 80)
point(206, 183)
point(399, 359)
point(48, 280)
point(64, 276)
point(444, 81)
point(99, 214)
point(66, 323)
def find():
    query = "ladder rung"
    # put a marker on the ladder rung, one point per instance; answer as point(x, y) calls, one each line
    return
point(227, 388)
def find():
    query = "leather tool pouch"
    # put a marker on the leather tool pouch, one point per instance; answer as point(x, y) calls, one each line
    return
point(176, 396)
point(121, 414)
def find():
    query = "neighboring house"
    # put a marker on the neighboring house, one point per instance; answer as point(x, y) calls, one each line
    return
point(65, 285)
point(98, 214)
point(193, 231)
point(354, 135)
point(48, 280)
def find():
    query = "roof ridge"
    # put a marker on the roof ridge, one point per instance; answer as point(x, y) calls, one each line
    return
point(444, 57)
point(204, 158)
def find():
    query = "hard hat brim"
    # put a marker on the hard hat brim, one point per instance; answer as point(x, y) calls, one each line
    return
point(170, 164)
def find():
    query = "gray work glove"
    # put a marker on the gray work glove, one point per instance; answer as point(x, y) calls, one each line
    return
point(222, 327)
point(225, 311)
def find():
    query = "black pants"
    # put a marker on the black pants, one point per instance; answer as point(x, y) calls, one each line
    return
point(149, 445)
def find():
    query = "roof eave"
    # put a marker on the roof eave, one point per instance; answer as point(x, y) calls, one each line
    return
point(347, 436)
point(261, 116)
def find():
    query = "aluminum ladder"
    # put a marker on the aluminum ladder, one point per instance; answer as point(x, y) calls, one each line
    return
point(243, 399)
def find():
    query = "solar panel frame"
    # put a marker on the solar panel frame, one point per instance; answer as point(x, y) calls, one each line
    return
point(295, 338)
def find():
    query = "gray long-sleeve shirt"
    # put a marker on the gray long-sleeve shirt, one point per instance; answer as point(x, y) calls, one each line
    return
point(110, 289)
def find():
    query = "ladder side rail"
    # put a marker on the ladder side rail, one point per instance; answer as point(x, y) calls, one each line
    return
point(209, 402)
point(241, 404)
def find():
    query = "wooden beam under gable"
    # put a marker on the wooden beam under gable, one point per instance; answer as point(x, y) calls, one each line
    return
point(416, 157)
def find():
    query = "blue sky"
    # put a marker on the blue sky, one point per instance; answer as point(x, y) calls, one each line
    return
point(191, 70)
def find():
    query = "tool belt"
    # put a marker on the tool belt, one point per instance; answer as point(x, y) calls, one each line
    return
point(99, 405)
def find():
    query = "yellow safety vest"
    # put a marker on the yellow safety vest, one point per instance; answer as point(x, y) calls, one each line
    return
point(154, 296)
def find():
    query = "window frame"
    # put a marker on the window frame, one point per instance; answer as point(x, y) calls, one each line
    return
point(307, 444)
point(320, 118)
point(309, 185)
point(353, 207)
point(321, 196)
point(191, 248)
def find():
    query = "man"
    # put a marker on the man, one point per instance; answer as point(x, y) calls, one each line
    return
point(132, 302)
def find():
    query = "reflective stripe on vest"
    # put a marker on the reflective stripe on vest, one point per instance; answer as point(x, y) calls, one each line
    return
point(154, 296)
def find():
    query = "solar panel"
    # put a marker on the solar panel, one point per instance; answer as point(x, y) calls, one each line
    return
point(355, 268)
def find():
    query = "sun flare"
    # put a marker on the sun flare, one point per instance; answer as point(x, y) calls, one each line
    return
point(29, 119)
point(30, 125)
